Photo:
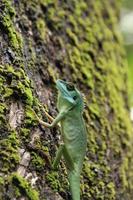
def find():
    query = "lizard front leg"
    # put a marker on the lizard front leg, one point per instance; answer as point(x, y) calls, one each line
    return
point(51, 119)
point(54, 121)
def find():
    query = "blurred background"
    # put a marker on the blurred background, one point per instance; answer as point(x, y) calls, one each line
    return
point(126, 25)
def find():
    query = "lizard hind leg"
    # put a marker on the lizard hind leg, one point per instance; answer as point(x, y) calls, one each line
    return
point(74, 181)
point(58, 156)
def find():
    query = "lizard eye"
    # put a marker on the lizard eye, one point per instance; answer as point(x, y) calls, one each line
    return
point(70, 87)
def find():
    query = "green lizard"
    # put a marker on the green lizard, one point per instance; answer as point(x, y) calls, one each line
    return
point(70, 105)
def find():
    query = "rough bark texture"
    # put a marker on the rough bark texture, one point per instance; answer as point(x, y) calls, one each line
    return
point(41, 41)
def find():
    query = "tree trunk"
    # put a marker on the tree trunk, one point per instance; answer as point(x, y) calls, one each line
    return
point(41, 41)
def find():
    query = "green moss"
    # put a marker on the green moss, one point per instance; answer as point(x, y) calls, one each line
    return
point(53, 180)
point(14, 37)
point(1, 81)
point(1, 187)
point(1, 181)
point(41, 27)
point(100, 189)
point(25, 132)
point(20, 84)
point(123, 169)
point(30, 118)
point(111, 190)
point(2, 113)
point(94, 108)
point(2, 107)
point(8, 92)
point(53, 73)
point(72, 36)
point(9, 152)
point(23, 187)
point(10, 69)
point(29, 96)
point(37, 162)
point(9, 7)
point(46, 2)
point(25, 92)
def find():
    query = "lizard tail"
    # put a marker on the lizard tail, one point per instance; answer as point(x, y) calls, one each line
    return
point(74, 181)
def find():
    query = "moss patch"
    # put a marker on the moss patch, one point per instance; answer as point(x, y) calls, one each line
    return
point(6, 15)
point(52, 179)
point(37, 162)
point(16, 83)
point(9, 152)
point(41, 27)
point(23, 188)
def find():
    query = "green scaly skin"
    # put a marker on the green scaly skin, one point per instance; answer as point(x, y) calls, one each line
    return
point(70, 105)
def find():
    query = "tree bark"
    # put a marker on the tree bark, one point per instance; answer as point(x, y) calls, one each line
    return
point(78, 41)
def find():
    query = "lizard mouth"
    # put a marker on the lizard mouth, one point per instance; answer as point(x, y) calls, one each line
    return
point(60, 86)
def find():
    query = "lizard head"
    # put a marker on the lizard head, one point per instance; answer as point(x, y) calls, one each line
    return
point(69, 93)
